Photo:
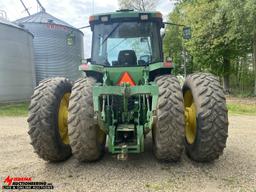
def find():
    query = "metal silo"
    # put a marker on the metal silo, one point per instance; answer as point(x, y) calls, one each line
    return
point(58, 46)
point(17, 74)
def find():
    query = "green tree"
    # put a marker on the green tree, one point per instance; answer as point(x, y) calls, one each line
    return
point(241, 16)
point(223, 34)
point(250, 25)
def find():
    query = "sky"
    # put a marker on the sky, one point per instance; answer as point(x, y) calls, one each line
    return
point(74, 12)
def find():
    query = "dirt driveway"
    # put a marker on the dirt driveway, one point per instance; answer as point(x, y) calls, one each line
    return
point(234, 171)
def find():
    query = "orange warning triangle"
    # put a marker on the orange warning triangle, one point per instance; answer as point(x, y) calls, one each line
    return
point(126, 78)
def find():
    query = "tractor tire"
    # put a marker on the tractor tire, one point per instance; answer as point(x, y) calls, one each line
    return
point(43, 119)
point(86, 139)
point(208, 139)
point(168, 131)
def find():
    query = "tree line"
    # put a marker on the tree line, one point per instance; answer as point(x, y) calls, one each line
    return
point(223, 41)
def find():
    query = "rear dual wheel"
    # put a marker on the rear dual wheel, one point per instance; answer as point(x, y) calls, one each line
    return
point(60, 121)
point(206, 117)
point(47, 119)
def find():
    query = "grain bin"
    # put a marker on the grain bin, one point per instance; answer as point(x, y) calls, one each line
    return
point(58, 46)
point(17, 73)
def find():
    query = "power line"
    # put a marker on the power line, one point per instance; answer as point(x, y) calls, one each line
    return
point(26, 9)
point(38, 2)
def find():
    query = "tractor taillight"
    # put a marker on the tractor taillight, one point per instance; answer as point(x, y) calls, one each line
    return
point(84, 66)
point(126, 78)
point(91, 18)
point(168, 64)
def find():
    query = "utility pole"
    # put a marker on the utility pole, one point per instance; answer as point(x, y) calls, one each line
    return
point(186, 36)
point(184, 59)
point(92, 7)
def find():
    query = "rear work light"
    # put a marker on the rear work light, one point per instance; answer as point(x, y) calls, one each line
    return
point(126, 78)
point(144, 17)
point(104, 19)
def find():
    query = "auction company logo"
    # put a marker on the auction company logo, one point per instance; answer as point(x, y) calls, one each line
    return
point(24, 183)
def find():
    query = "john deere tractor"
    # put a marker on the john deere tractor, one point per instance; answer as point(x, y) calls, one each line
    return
point(128, 91)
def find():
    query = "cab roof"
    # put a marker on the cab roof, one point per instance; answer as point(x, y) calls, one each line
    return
point(126, 15)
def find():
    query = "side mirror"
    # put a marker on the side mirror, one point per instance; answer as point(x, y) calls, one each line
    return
point(187, 33)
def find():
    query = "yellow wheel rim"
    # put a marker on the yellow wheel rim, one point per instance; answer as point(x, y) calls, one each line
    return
point(63, 118)
point(190, 117)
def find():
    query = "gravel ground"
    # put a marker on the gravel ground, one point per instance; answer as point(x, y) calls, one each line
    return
point(234, 171)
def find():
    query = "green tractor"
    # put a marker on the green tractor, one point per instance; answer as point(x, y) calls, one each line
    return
point(128, 91)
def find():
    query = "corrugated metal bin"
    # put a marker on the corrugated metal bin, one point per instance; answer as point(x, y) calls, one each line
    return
point(17, 73)
point(58, 46)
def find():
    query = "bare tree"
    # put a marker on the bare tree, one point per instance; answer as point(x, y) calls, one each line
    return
point(138, 5)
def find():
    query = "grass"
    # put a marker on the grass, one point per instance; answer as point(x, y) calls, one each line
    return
point(14, 109)
point(241, 109)
point(21, 109)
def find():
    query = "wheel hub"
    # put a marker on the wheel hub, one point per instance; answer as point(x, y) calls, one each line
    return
point(190, 117)
point(63, 118)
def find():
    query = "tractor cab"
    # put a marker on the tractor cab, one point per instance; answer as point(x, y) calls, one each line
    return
point(125, 59)
point(126, 38)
